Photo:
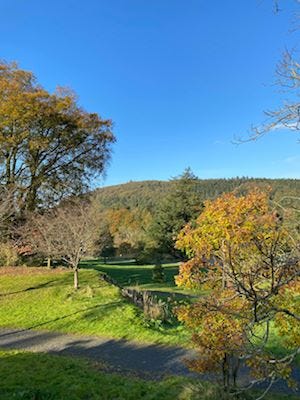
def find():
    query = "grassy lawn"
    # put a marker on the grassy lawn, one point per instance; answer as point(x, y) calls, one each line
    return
point(49, 377)
point(45, 299)
point(33, 376)
point(129, 274)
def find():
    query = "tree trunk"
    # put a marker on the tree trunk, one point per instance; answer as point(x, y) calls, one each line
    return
point(226, 376)
point(76, 278)
point(49, 262)
point(31, 199)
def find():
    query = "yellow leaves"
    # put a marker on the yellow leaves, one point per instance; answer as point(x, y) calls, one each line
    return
point(46, 139)
point(241, 250)
point(287, 326)
point(234, 231)
point(216, 332)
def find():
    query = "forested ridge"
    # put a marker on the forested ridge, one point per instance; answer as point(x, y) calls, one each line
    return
point(146, 195)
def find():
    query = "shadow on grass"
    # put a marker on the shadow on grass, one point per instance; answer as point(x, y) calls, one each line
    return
point(95, 263)
point(134, 275)
point(121, 354)
point(42, 376)
point(146, 361)
point(40, 286)
point(104, 308)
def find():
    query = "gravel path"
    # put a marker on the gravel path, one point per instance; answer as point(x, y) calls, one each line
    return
point(144, 360)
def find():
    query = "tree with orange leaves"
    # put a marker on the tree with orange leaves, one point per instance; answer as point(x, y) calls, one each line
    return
point(50, 147)
point(243, 252)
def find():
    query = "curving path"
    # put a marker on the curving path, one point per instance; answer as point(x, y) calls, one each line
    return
point(145, 360)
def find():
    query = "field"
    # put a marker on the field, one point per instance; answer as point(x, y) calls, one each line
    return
point(44, 299)
point(127, 273)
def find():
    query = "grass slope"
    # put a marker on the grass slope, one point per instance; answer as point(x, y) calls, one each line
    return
point(44, 299)
point(27, 376)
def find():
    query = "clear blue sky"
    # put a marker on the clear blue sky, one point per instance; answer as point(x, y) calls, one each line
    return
point(179, 78)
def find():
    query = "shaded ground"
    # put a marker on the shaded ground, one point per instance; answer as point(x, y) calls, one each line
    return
point(41, 376)
point(122, 355)
point(146, 361)
point(129, 274)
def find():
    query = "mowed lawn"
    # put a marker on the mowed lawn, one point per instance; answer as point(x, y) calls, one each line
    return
point(128, 273)
point(39, 298)
point(28, 376)
point(45, 299)
point(49, 377)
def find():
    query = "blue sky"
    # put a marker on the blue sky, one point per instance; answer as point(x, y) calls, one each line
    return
point(179, 78)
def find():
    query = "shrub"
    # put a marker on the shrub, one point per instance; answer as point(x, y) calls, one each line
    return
point(158, 273)
point(8, 255)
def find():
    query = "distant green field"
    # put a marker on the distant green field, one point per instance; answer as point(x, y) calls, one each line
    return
point(127, 273)
point(28, 376)
point(45, 299)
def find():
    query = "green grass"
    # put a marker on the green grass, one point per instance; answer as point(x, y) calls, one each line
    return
point(34, 376)
point(47, 300)
point(48, 377)
point(129, 274)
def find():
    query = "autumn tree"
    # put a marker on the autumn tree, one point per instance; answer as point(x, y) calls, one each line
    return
point(243, 253)
point(66, 233)
point(129, 228)
point(7, 211)
point(49, 146)
point(8, 248)
point(104, 246)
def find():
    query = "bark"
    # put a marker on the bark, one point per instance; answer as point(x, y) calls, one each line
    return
point(76, 278)
point(226, 376)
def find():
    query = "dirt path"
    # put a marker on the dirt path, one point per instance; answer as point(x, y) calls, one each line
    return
point(144, 360)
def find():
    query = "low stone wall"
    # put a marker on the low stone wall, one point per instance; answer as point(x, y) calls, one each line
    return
point(152, 306)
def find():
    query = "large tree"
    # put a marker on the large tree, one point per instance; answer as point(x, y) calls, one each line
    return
point(49, 146)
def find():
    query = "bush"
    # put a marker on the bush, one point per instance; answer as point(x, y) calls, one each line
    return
point(158, 274)
point(8, 255)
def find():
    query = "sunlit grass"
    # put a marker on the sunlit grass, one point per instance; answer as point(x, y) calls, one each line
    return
point(48, 301)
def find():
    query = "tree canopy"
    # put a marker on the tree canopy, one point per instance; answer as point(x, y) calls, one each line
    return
point(243, 252)
point(49, 146)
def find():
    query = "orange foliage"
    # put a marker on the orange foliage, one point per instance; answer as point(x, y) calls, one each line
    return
point(240, 249)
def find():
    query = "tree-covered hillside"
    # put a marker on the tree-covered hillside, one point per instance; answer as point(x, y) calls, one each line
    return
point(146, 195)
point(142, 219)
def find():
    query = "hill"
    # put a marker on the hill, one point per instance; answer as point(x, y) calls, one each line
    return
point(146, 195)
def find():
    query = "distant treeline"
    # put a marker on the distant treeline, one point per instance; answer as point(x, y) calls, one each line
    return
point(142, 219)
point(146, 195)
